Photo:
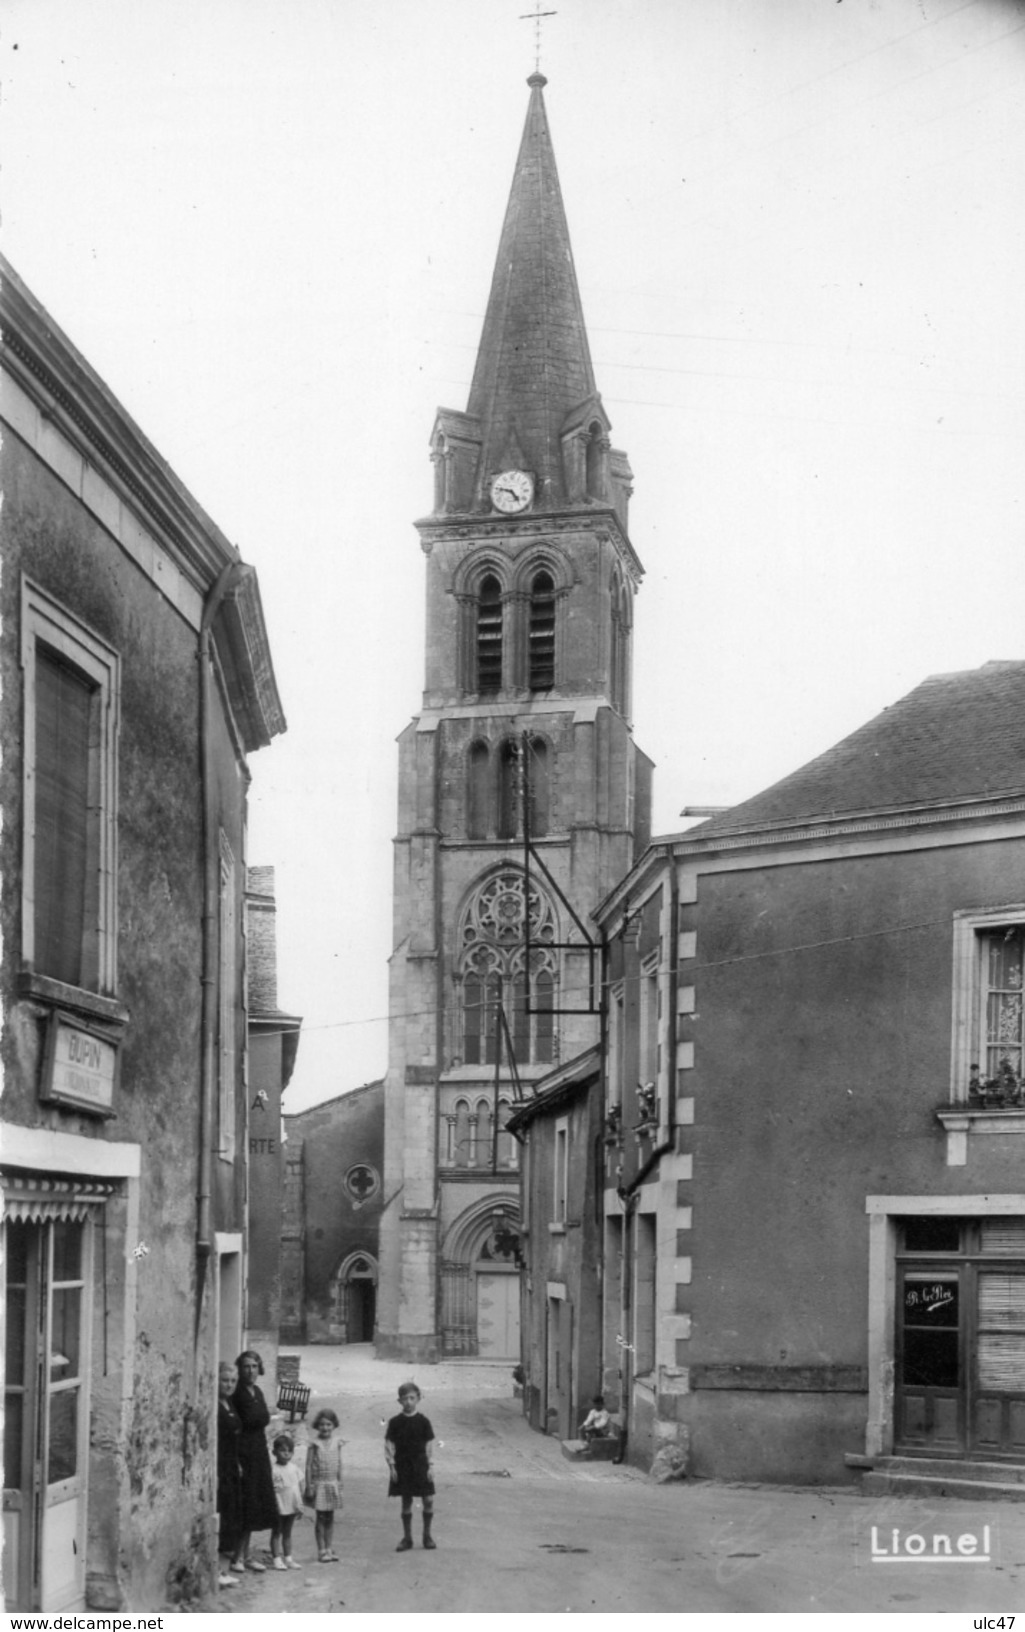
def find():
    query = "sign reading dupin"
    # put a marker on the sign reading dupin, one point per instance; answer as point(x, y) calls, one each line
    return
point(79, 1067)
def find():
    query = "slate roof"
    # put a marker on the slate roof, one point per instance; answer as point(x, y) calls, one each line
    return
point(534, 363)
point(956, 737)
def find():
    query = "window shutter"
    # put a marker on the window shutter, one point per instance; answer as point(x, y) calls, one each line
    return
point(62, 717)
point(1001, 1353)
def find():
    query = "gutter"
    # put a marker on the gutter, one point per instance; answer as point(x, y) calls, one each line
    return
point(208, 1023)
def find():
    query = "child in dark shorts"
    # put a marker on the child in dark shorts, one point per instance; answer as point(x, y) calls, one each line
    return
point(409, 1450)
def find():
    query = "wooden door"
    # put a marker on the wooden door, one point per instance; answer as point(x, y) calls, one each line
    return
point(498, 1315)
point(46, 1405)
point(930, 1360)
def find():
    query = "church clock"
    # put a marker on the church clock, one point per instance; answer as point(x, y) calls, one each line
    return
point(511, 490)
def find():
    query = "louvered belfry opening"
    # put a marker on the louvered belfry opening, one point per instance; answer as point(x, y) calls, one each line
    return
point(489, 635)
point(542, 632)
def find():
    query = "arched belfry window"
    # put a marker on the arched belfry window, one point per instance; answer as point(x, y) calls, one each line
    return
point(509, 788)
point(489, 635)
point(477, 790)
point(537, 780)
point(541, 632)
point(619, 654)
point(492, 968)
point(596, 454)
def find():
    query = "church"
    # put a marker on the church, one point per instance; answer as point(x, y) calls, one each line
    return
point(523, 799)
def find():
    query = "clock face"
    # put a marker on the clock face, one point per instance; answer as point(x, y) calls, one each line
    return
point(512, 490)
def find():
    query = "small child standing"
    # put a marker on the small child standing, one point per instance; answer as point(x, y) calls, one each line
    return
point(290, 1502)
point(409, 1450)
point(323, 1486)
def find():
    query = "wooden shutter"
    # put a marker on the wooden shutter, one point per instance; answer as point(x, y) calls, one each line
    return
point(63, 706)
point(1001, 1352)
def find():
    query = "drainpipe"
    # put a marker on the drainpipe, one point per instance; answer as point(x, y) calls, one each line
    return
point(208, 1067)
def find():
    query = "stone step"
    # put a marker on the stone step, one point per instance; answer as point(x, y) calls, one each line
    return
point(943, 1467)
point(591, 1450)
point(879, 1483)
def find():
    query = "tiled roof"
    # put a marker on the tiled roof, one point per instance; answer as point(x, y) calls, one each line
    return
point(534, 366)
point(955, 737)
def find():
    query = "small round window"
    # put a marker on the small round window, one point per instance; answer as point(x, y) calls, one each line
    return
point(362, 1182)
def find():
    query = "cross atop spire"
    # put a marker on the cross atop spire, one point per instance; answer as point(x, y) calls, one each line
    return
point(535, 17)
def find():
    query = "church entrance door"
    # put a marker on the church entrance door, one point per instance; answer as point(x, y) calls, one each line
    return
point(498, 1314)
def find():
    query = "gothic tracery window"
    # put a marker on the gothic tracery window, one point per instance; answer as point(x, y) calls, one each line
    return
point(492, 968)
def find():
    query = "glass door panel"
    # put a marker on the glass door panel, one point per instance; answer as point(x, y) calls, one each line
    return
point(930, 1360)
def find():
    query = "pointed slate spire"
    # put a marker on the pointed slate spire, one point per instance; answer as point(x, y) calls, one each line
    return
point(533, 378)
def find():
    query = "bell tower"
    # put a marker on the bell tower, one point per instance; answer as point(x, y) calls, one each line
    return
point(524, 733)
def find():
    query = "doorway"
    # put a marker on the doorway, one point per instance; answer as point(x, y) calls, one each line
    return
point(46, 1411)
point(354, 1299)
point(960, 1338)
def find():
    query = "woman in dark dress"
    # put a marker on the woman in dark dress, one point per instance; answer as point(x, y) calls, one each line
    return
point(409, 1449)
point(229, 1473)
point(259, 1504)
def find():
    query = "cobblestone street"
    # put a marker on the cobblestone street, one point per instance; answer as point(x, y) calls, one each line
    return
point(520, 1528)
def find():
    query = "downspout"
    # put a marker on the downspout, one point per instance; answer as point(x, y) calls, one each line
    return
point(208, 1064)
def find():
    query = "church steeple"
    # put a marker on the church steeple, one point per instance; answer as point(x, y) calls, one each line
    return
point(534, 362)
point(534, 404)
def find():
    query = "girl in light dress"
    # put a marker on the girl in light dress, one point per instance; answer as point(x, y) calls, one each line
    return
point(323, 1483)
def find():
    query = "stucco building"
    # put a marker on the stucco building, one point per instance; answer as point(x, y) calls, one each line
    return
point(333, 1199)
point(136, 681)
point(524, 732)
point(561, 1133)
point(815, 1215)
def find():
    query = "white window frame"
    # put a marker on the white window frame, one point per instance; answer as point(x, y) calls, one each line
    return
point(649, 1020)
point(560, 1174)
point(44, 622)
point(617, 1036)
point(968, 1041)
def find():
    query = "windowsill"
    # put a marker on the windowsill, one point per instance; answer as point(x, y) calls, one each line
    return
point(485, 1074)
point(57, 994)
point(961, 1120)
point(479, 1174)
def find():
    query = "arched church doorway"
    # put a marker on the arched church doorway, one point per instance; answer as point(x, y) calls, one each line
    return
point(480, 1281)
point(354, 1298)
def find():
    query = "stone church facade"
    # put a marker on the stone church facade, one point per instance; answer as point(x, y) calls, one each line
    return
point(524, 734)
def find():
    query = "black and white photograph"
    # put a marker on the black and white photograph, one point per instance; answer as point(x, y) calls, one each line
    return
point(512, 809)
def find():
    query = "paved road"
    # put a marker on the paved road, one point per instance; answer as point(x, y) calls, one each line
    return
point(519, 1528)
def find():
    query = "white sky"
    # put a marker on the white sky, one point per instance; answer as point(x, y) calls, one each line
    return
point(270, 225)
